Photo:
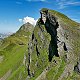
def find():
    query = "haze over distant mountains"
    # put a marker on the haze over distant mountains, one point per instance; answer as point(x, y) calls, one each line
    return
point(4, 35)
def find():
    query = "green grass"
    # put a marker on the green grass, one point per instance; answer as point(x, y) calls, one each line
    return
point(60, 70)
point(18, 74)
point(56, 70)
point(12, 59)
point(12, 49)
point(51, 73)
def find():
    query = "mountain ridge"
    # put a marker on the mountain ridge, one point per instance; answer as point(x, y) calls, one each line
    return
point(12, 50)
point(48, 51)
point(54, 35)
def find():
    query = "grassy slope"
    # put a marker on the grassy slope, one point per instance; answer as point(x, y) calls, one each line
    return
point(12, 49)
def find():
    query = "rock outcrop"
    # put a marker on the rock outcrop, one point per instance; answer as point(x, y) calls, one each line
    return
point(52, 46)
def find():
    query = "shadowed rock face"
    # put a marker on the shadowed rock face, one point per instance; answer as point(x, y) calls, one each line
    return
point(44, 43)
point(77, 67)
point(51, 26)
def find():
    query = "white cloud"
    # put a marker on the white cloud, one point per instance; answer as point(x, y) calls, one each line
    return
point(20, 20)
point(77, 20)
point(28, 19)
point(73, 3)
point(65, 3)
point(19, 3)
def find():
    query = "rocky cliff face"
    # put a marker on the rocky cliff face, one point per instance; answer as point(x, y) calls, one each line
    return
point(52, 48)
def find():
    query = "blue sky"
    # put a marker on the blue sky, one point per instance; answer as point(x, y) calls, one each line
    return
point(13, 12)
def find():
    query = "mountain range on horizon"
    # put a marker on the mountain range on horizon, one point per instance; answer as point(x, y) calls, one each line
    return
point(4, 35)
point(48, 51)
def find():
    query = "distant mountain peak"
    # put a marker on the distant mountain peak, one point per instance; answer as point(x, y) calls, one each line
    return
point(27, 27)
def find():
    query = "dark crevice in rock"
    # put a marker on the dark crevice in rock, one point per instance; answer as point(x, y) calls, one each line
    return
point(28, 69)
point(32, 36)
point(77, 67)
point(30, 49)
point(53, 49)
point(37, 51)
point(64, 46)
point(51, 26)
point(52, 30)
point(58, 41)
point(41, 29)
point(28, 66)
point(36, 40)
point(29, 58)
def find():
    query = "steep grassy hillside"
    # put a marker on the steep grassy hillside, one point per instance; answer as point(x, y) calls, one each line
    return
point(12, 51)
